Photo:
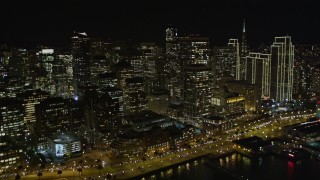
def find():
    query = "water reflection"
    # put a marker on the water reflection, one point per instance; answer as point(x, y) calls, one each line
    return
point(239, 165)
point(290, 169)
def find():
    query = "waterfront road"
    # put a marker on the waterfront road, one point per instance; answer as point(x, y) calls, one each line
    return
point(222, 143)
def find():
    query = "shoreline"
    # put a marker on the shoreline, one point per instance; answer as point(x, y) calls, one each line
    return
point(174, 163)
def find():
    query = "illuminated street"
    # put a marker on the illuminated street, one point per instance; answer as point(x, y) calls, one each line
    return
point(266, 128)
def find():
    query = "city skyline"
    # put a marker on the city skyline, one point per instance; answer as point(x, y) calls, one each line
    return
point(29, 24)
point(134, 89)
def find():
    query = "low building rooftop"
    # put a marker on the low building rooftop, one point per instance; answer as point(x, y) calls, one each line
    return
point(253, 142)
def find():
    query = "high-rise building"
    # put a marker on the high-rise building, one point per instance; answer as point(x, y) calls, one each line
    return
point(63, 74)
point(123, 70)
point(11, 118)
point(180, 52)
point(81, 58)
point(151, 55)
point(258, 72)
point(107, 113)
point(99, 65)
point(55, 115)
point(173, 66)
point(46, 60)
point(297, 81)
point(116, 95)
point(282, 62)
point(244, 48)
point(224, 59)
point(194, 50)
point(235, 44)
point(60, 77)
point(10, 155)
point(135, 99)
point(107, 79)
point(197, 92)
point(315, 85)
point(30, 98)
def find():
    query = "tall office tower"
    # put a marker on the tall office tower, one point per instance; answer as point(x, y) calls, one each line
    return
point(107, 114)
point(30, 98)
point(173, 66)
point(81, 59)
point(258, 72)
point(116, 95)
point(63, 75)
point(306, 78)
point(123, 70)
point(46, 60)
point(150, 56)
point(129, 52)
point(135, 98)
point(11, 155)
point(99, 65)
point(315, 85)
point(12, 133)
point(137, 64)
point(197, 92)
point(11, 119)
point(100, 50)
point(282, 61)
point(20, 65)
point(225, 59)
point(297, 82)
point(100, 46)
point(244, 46)
point(107, 79)
point(194, 50)
point(54, 115)
point(59, 77)
point(180, 52)
point(234, 43)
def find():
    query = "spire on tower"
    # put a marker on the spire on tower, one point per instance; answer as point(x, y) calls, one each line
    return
point(243, 48)
point(244, 25)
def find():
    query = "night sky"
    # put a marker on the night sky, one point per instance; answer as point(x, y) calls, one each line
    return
point(41, 22)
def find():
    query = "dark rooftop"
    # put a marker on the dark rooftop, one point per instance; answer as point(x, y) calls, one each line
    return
point(108, 75)
point(134, 80)
point(307, 127)
point(253, 142)
point(142, 116)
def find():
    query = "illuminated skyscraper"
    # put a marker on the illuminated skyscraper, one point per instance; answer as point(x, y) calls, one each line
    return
point(11, 118)
point(151, 55)
point(258, 72)
point(180, 52)
point(107, 113)
point(55, 115)
point(46, 60)
point(123, 70)
point(197, 92)
point(234, 43)
point(282, 62)
point(80, 51)
point(135, 99)
point(173, 66)
point(30, 98)
point(315, 85)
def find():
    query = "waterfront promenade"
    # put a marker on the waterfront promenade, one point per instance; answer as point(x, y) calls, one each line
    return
point(223, 145)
